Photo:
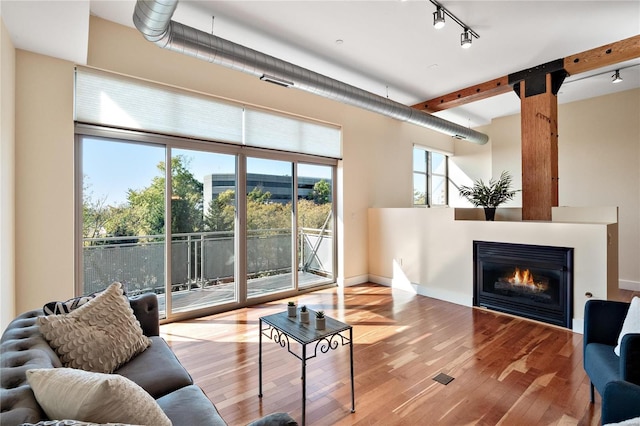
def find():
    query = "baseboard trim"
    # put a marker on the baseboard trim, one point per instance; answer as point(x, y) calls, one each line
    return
point(629, 285)
point(447, 296)
point(351, 281)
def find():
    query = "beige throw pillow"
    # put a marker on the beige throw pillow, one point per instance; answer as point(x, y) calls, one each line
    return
point(99, 336)
point(68, 393)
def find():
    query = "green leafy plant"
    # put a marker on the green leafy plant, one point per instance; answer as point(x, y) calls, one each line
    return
point(291, 304)
point(303, 308)
point(319, 314)
point(493, 194)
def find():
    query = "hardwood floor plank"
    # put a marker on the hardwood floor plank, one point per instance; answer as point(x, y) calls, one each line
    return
point(506, 370)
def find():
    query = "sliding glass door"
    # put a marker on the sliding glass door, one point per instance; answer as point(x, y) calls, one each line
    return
point(270, 197)
point(202, 229)
point(122, 216)
point(315, 225)
point(137, 196)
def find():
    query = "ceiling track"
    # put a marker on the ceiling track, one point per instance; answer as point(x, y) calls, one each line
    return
point(153, 20)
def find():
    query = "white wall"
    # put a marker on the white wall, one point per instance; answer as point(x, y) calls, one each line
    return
point(7, 176)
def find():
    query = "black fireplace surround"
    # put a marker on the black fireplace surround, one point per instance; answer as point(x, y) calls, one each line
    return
point(531, 281)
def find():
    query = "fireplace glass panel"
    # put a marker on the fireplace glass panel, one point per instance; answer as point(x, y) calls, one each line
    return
point(539, 286)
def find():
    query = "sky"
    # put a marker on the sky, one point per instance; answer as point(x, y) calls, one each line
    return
point(111, 168)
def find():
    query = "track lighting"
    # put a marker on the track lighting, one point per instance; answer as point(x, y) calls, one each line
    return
point(438, 18)
point(438, 22)
point(615, 78)
point(465, 39)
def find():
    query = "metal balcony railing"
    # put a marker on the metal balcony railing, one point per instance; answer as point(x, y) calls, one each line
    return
point(199, 259)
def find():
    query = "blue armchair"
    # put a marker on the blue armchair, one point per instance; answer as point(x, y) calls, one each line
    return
point(620, 401)
point(617, 378)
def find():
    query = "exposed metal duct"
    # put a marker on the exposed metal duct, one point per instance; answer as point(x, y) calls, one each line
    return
point(153, 20)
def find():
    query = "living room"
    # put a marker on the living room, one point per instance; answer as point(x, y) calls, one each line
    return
point(599, 162)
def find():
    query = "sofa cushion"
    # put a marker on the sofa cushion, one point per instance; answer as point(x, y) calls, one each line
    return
point(601, 364)
point(189, 406)
point(631, 322)
point(99, 336)
point(68, 393)
point(166, 374)
point(71, 423)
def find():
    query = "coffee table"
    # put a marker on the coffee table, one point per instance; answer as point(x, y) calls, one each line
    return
point(282, 329)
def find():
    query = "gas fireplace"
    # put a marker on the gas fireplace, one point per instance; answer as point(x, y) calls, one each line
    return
point(531, 281)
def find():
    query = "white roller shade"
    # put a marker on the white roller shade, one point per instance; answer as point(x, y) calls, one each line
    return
point(112, 100)
point(268, 130)
point(116, 101)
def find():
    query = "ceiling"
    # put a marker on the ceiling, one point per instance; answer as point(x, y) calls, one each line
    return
point(389, 47)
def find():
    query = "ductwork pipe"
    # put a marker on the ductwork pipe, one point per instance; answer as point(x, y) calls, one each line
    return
point(153, 20)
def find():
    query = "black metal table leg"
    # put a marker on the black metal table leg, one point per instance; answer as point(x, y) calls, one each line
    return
point(353, 395)
point(260, 358)
point(304, 383)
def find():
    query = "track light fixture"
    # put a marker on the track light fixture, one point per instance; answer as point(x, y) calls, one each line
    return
point(615, 78)
point(438, 18)
point(438, 22)
point(465, 39)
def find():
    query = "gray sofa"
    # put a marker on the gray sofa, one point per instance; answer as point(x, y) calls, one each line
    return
point(156, 370)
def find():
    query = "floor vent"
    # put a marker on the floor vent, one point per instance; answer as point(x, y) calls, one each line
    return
point(443, 378)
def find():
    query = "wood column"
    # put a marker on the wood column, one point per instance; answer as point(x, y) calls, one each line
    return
point(539, 117)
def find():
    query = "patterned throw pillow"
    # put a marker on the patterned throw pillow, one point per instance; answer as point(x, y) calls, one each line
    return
point(93, 397)
point(57, 308)
point(100, 336)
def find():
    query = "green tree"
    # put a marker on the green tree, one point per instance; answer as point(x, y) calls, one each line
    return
point(312, 215)
point(220, 214)
point(147, 204)
point(321, 193)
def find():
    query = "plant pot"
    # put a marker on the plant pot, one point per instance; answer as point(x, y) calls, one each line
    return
point(490, 213)
point(320, 323)
point(304, 317)
point(291, 311)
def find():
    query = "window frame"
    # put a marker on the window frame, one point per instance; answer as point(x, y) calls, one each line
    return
point(428, 175)
point(242, 152)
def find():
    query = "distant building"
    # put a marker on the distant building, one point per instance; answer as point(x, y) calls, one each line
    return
point(280, 187)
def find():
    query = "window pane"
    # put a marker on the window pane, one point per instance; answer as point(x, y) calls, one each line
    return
point(438, 191)
point(269, 195)
point(438, 163)
point(202, 226)
point(315, 225)
point(419, 189)
point(123, 201)
point(419, 160)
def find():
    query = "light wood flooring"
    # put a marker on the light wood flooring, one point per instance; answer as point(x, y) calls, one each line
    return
point(506, 370)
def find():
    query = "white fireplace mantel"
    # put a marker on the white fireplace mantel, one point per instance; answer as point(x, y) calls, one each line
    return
point(429, 251)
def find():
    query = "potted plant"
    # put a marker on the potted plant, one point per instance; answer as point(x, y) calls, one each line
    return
point(304, 314)
point(489, 195)
point(320, 320)
point(291, 309)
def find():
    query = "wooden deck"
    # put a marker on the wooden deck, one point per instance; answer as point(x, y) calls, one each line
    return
point(506, 370)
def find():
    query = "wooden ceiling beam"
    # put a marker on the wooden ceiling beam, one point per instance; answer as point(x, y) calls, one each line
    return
point(599, 57)
point(464, 96)
point(603, 56)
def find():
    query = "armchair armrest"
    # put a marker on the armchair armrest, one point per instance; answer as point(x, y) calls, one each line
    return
point(620, 401)
point(603, 321)
point(630, 358)
point(145, 308)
